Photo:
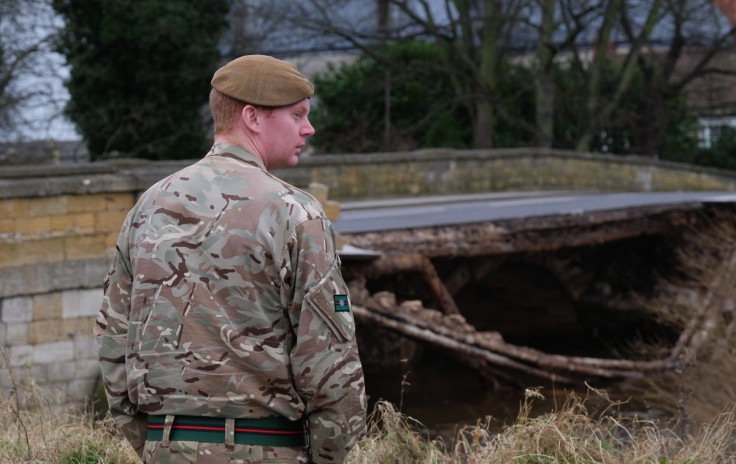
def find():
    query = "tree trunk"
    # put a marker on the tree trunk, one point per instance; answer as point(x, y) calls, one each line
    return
point(613, 9)
point(483, 128)
point(485, 122)
point(598, 111)
point(545, 86)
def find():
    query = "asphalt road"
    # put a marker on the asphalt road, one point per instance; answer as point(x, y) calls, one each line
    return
point(371, 216)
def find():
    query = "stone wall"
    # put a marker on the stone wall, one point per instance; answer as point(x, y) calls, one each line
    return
point(52, 257)
point(443, 172)
point(59, 223)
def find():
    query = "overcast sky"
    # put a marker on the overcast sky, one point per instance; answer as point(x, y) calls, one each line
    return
point(46, 120)
point(40, 117)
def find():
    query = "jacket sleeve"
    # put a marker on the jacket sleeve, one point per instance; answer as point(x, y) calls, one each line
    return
point(111, 333)
point(325, 364)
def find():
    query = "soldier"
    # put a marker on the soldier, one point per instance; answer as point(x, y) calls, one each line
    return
point(225, 332)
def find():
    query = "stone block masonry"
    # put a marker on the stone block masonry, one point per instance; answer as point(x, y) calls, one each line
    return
point(53, 256)
point(59, 224)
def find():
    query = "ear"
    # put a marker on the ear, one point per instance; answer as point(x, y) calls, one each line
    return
point(249, 116)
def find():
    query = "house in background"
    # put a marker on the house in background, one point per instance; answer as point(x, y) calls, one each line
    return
point(713, 96)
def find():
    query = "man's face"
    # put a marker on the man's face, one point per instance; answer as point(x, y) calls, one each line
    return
point(285, 132)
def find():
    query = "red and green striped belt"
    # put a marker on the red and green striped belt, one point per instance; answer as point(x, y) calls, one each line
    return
point(270, 431)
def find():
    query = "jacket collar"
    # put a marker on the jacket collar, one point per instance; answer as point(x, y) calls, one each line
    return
point(234, 151)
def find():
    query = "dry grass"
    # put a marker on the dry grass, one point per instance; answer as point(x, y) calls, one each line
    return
point(571, 435)
point(704, 384)
point(700, 396)
point(41, 431)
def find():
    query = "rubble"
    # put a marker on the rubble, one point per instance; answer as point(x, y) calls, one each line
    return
point(397, 254)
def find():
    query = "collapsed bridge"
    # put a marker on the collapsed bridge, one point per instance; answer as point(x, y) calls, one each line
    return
point(554, 287)
point(552, 281)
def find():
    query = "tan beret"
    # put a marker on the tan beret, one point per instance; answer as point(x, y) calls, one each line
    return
point(262, 80)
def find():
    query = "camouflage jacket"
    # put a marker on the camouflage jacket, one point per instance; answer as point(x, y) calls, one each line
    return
point(225, 298)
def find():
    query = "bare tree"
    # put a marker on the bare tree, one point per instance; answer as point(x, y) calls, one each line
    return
point(473, 38)
point(600, 104)
point(29, 74)
point(695, 49)
point(545, 86)
point(258, 26)
point(288, 28)
point(563, 34)
point(672, 43)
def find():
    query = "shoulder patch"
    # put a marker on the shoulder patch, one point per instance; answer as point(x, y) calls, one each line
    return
point(341, 303)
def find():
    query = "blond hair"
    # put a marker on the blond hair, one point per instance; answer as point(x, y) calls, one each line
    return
point(225, 111)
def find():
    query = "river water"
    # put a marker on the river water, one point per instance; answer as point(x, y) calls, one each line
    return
point(528, 307)
point(445, 395)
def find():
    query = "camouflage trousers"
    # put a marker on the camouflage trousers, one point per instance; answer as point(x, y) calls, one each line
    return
point(191, 452)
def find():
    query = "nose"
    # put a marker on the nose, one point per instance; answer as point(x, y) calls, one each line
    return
point(307, 129)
